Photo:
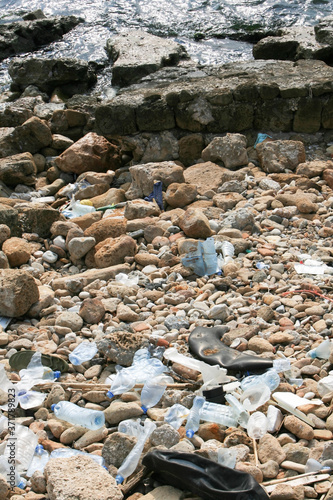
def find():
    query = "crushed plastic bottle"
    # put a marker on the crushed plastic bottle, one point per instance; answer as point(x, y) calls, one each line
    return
point(24, 441)
point(227, 457)
point(257, 425)
point(323, 351)
point(37, 372)
point(176, 415)
point(193, 420)
point(8, 470)
point(325, 385)
point(30, 399)
point(281, 365)
point(83, 352)
point(270, 378)
point(219, 414)
point(39, 460)
point(255, 396)
point(131, 461)
point(70, 412)
point(9, 388)
point(76, 209)
point(153, 390)
point(203, 260)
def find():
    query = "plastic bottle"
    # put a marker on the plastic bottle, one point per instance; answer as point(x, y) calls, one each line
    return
point(39, 460)
point(9, 388)
point(176, 415)
point(153, 390)
point(22, 443)
point(131, 427)
point(193, 420)
point(69, 452)
point(281, 365)
point(323, 351)
point(30, 399)
point(270, 378)
point(257, 425)
point(255, 396)
point(8, 470)
point(123, 382)
point(227, 457)
point(325, 385)
point(83, 352)
point(239, 410)
point(219, 414)
point(70, 412)
point(131, 461)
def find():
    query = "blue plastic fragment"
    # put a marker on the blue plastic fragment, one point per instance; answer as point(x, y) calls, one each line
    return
point(260, 138)
point(156, 194)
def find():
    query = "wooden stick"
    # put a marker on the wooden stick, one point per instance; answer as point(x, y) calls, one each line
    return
point(105, 387)
point(129, 485)
point(255, 451)
point(283, 480)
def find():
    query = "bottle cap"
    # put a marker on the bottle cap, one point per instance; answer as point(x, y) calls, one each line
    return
point(53, 406)
point(39, 448)
point(22, 484)
point(119, 479)
point(22, 392)
point(144, 409)
point(57, 374)
point(110, 394)
point(189, 433)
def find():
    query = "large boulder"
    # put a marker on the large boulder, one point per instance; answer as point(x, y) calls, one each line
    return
point(18, 291)
point(31, 136)
point(72, 75)
point(90, 153)
point(37, 218)
point(277, 156)
point(27, 35)
point(79, 478)
point(18, 169)
point(136, 54)
point(143, 177)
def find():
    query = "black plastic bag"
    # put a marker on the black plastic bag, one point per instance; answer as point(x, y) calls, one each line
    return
point(203, 477)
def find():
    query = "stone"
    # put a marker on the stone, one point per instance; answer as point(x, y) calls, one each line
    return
point(195, 224)
point(106, 228)
point(260, 345)
point(118, 411)
point(230, 149)
point(116, 448)
point(92, 310)
point(25, 36)
point(72, 434)
point(180, 195)
point(4, 487)
point(120, 347)
point(143, 177)
point(164, 435)
point(79, 247)
point(36, 218)
point(269, 448)
point(46, 297)
point(70, 320)
point(4, 233)
point(136, 54)
point(299, 428)
point(18, 292)
point(125, 313)
point(227, 201)
point(137, 209)
point(89, 437)
point(31, 136)
point(190, 148)
point(90, 153)
point(18, 169)
point(73, 75)
point(17, 251)
point(113, 251)
point(205, 176)
point(38, 482)
point(56, 394)
point(250, 469)
point(163, 493)
point(111, 197)
point(277, 156)
point(79, 477)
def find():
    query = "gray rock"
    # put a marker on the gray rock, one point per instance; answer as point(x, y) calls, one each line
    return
point(231, 150)
point(30, 137)
point(78, 247)
point(119, 411)
point(135, 54)
point(165, 435)
point(241, 219)
point(143, 177)
point(72, 75)
point(71, 320)
point(79, 477)
point(117, 447)
point(26, 36)
point(38, 482)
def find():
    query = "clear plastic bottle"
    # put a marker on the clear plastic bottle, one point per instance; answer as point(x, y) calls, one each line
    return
point(131, 461)
point(323, 351)
point(219, 414)
point(227, 457)
point(24, 441)
point(39, 460)
point(257, 425)
point(176, 415)
point(36, 371)
point(69, 452)
point(255, 396)
point(83, 352)
point(30, 399)
point(70, 412)
point(131, 427)
point(271, 378)
point(8, 470)
point(9, 388)
point(123, 382)
point(193, 420)
point(153, 390)
point(239, 410)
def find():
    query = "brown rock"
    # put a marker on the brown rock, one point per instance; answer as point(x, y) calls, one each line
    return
point(136, 209)
point(227, 201)
point(277, 156)
point(113, 251)
point(205, 176)
point(298, 427)
point(231, 149)
point(17, 251)
point(269, 448)
point(250, 469)
point(90, 153)
point(18, 169)
point(106, 228)
point(111, 197)
point(195, 224)
point(18, 291)
point(143, 177)
point(92, 310)
point(87, 220)
point(180, 195)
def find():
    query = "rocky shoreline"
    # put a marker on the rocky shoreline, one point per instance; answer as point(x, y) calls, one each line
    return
point(103, 204)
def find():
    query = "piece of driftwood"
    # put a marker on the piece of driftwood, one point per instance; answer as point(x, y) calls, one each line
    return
point(134, 481)
point(106, 387)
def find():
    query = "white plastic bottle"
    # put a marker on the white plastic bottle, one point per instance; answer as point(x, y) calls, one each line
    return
point(91, 419)
point(39, 460)
point(83, 352)
point(193, 420)
point(323, 351)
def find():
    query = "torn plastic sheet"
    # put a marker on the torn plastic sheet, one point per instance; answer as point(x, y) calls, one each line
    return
point(4, 321)
point(203, 260)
